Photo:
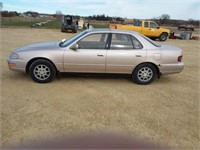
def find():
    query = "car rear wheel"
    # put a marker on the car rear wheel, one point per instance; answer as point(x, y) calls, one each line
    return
point(163, 37)
point(144, 74)
point(42, 71)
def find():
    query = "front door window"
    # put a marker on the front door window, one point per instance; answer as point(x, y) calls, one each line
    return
point(93, 41)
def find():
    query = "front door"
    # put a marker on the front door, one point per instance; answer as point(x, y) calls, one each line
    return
point(89, 57)
point(151, 29)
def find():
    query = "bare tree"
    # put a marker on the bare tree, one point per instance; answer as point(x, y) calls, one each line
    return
point(193, 22)
point(59, 15)
point(164, 18)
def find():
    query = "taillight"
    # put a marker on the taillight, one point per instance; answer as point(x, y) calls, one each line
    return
point(180, 58)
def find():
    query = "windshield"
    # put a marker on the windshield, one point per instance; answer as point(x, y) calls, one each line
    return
point(151, 41)
point(68, 42)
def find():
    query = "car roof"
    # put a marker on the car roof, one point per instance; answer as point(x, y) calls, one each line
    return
point(107, 30)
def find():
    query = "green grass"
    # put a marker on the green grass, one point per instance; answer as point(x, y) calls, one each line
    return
point(95, 25)
point(16, 21)
point(28, 22)
point(54, 24)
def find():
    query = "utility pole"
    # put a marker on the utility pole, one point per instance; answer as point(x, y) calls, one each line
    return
point(1, 5)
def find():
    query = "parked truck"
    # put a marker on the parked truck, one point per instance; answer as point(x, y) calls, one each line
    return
point(186, 27)
point(147, 28)
point(68, 24)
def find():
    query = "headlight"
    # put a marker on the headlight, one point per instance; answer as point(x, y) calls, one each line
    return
point(14, 56)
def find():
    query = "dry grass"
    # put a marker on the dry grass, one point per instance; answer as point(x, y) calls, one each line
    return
point(165, 111)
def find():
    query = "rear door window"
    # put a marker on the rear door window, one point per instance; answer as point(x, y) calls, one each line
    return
point(146, 24)
point(124, 42)
point(121, 41)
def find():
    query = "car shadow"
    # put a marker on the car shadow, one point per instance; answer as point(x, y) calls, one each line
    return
point(94, 76)
point(166, 79)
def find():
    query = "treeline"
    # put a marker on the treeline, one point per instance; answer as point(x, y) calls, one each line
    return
point(165, 19)
point(104, 18)
point(9, 13)
point(172, 22)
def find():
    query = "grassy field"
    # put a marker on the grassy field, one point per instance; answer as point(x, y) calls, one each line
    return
point(54, 24)
point(96, 25)
point(19, 21)
point(165, 112)
point(28, 22)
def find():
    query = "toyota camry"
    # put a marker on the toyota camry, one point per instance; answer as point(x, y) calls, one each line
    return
point(98, 51)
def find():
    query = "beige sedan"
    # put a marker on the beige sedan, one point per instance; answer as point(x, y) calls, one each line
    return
point(98, 51)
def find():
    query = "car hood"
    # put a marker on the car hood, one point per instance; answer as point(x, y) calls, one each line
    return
point(40, 46)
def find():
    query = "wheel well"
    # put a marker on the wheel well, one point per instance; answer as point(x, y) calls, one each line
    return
point(157, 69)
point(34, 59)
point(164, 33)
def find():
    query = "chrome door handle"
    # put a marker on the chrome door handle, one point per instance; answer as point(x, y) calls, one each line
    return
point(138, 55)
point(100, 55)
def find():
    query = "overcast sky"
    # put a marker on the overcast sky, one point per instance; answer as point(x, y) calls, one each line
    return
point(140, 9)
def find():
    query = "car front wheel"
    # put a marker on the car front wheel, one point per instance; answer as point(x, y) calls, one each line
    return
point(42, 71)
point(144, 74)
point(163, 37)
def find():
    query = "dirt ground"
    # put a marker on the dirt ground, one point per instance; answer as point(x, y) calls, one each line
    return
point(165, 112)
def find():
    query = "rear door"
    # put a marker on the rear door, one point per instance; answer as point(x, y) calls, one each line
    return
point(124, 53)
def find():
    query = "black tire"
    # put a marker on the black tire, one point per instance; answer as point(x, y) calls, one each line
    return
point(42, 71)
point(75, 31)
point(62, 28)
point(163, 37)
point(144, 74)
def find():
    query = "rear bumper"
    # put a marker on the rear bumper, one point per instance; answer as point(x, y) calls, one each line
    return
point(171, 68)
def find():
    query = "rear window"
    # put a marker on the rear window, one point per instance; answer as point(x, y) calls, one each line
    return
point(138, 23)
point(151, 41)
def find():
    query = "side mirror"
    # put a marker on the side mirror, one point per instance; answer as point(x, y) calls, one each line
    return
point(74, 46)
point(158, 27)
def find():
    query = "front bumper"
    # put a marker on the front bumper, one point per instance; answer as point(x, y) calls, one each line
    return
point(16, 65)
